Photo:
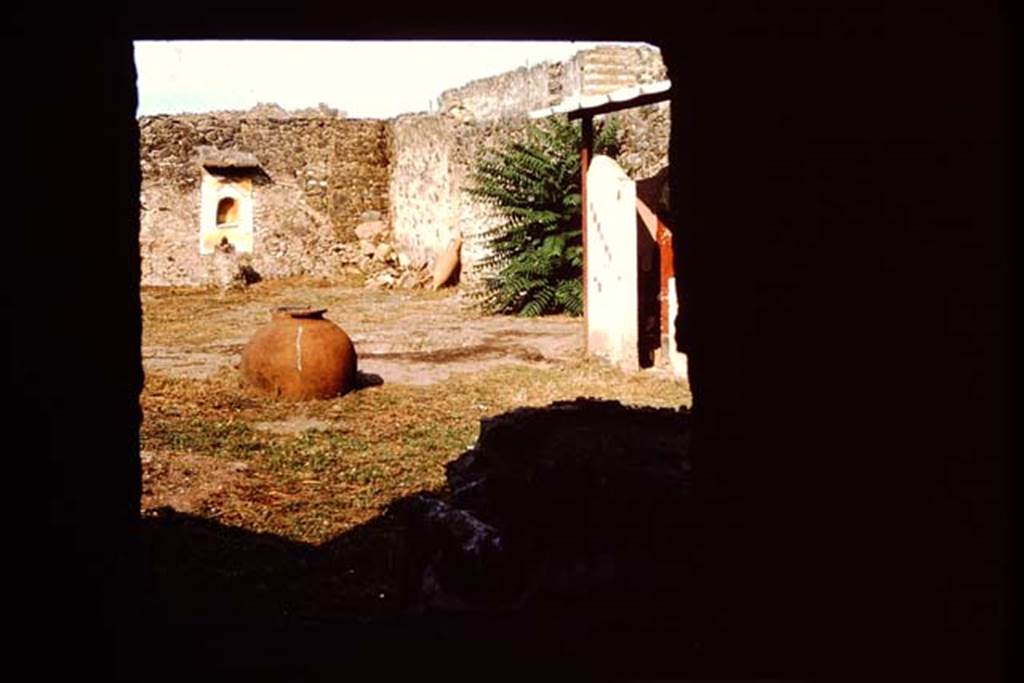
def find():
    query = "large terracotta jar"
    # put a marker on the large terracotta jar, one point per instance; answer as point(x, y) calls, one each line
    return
point(300, 355)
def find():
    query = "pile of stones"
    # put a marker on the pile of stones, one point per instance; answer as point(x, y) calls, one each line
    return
point(372, 255)
point(385, 266)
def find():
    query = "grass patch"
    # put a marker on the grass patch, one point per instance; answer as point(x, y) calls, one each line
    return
point(348, 457)
point(382, 443)
point(232, 440)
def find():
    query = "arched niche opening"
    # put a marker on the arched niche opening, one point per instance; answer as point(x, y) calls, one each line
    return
point(227, 212)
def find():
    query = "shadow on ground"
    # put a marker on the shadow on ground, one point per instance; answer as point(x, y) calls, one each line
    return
point(558, 540)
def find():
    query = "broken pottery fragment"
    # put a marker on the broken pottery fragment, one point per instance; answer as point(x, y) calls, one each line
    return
point(447, 263)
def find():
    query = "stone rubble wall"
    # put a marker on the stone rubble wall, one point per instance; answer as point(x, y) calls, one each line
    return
point(507, 95)
point(643, 139)
point(590, 72)
point(433, 154)
point(432, 161)
point(421, 188)
point(319, 175)
point(169, 236)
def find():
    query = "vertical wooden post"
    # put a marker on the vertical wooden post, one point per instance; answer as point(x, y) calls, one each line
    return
point(667, 272)
point(586, 150)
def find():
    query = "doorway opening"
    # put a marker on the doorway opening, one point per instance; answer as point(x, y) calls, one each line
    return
point(349, 215)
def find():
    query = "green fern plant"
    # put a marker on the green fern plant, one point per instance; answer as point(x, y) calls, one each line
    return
point(535, 253)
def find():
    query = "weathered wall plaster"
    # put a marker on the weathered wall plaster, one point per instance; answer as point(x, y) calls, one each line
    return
point(433, 154)
point(611, 256)
point(318, 176)
point(432, 162)
point(676, 358)
point(225, 213)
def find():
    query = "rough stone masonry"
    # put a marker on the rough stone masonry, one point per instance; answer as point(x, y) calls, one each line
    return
point(314, 176)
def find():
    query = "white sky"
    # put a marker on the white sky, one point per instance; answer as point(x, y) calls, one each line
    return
point(365, 79)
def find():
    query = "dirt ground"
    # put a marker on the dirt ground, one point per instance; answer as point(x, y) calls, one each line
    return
point(228, 473)
point(310, 471)
point(407, 337)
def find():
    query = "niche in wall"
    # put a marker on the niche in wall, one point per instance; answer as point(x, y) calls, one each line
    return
point(227, 212)
point(226, 202)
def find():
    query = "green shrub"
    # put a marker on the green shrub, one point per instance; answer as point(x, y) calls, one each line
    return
point(535, 260)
